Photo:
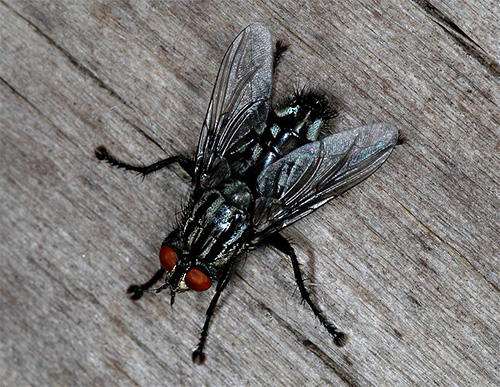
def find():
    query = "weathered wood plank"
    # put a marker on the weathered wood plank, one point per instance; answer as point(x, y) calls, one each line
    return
point(406, 263)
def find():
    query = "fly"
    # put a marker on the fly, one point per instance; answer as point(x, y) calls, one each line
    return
point(257, 170)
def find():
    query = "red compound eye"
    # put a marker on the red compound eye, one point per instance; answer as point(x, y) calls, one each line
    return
point(197, 280)
point(168, 257)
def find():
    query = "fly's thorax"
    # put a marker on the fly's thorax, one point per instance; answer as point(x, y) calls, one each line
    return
point(237, 193)
point(209, 234)
point(216, 223)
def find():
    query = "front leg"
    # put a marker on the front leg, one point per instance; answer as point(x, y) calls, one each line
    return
point(198, 356)
point(187, 164)
point(135, 291)
point(280, 243)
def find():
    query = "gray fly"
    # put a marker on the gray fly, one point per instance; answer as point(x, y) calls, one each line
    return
point(257, 170)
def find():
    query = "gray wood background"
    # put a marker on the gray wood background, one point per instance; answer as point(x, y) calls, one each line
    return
point(407, 262)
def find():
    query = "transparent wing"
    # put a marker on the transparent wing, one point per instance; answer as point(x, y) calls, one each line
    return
point(238, 107)
point(313, 174)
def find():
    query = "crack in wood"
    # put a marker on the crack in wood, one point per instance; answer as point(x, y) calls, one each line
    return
point(463, 40)
point(27, 101)
point(72, 59)
point(340, 371)
point(442, 240)
point(85, 70)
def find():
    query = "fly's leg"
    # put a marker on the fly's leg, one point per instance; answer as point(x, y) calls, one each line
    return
point(278, 53)
point(281, 244)
point(198, 356)
point(136, 291)
point(188, 165)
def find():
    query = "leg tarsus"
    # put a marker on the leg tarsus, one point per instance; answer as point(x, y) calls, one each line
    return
point(281, 244)
point(278, 53)
point(198, 356)
point(136, 291)
point(188, 165)
point(401, 138)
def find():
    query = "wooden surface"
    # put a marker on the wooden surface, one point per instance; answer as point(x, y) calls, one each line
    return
point(407, 262)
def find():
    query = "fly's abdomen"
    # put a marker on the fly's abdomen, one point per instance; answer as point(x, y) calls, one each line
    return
point(297, 123)
point(215, 226)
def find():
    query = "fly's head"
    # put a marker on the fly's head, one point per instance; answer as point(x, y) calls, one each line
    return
point(184, 271)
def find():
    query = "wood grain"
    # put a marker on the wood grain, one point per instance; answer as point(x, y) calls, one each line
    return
point(407, 263)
